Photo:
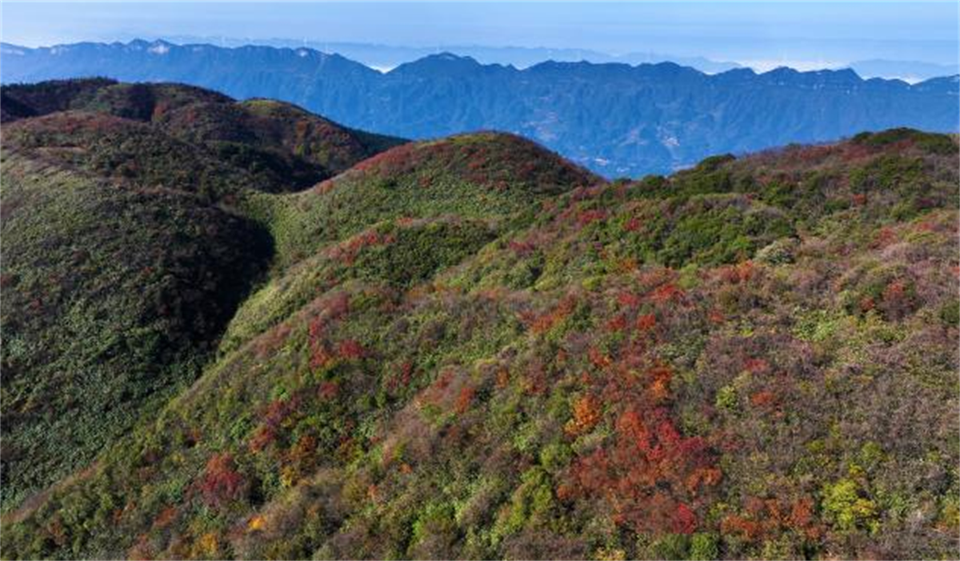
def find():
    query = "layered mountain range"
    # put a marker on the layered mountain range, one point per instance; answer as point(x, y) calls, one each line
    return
point(236, 329)
point(616, 119)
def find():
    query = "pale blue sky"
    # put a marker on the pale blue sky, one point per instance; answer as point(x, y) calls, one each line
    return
point(787, 32)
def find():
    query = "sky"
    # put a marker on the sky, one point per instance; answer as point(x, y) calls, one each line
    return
point(799, 34)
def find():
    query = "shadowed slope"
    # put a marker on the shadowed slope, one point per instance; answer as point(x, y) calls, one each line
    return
point(20, 101)
point(112, 299)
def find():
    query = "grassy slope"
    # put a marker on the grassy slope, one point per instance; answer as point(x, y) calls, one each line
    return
point(754, 358)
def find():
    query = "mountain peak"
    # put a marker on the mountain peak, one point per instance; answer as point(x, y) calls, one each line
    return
point(159, 47)
point(440, 64)
point(485, 158)
point(447, 55)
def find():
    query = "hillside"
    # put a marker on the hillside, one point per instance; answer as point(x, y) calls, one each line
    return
point(471, 348)
point(125, 254)
point(614, 118)
point(482, 175)
point(112, 300)
point(281, 146)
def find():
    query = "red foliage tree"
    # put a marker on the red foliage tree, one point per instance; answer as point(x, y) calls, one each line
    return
point(632, 225)
point(646, 322)
point(586, 217)
point(586, 414)
point(221, 482)
point(669, 292)
point(765, 519)
point(545, 322)
point(350, 349)
point(465, 398)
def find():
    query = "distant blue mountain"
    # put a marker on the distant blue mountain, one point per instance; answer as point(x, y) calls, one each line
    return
point(908, 70)
point(615, 118)
point(390, 56)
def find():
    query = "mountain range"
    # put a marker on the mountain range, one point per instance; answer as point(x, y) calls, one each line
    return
point(386, 57)
point(616, 119)
point(237, 329)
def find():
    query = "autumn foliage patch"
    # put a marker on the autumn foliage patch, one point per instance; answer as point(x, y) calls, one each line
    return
point(221, 482)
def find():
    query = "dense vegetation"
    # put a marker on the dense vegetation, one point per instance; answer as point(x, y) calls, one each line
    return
point(282, 147)
point(111, 300)
point(470, 348)
point(124, 256)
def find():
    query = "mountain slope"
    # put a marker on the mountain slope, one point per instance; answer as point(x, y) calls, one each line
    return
point(754, 358)
point(128, 152)
point(613, 118)
point(281, 146)
point(112, 299)
point(126, 254)
point(491, 176)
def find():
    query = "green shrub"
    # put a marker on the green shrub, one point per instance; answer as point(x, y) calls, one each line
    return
point(950, 313)
point(844, 504)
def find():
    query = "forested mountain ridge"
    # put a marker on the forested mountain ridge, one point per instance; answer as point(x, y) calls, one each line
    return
point(467, 347)
point(616, 119)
